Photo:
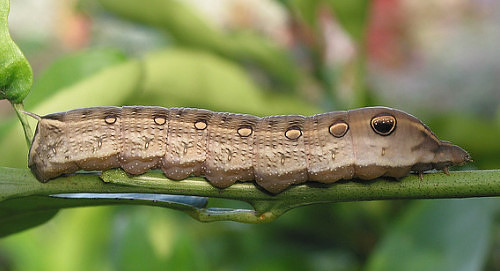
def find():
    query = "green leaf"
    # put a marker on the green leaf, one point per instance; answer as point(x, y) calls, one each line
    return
point(352, 15)
point(19, 214)
point(69, 70)
point(16, 75)
point(25, 203)
point(443, 234)
point(190, 30)
point(195, 78)
point(14, 220)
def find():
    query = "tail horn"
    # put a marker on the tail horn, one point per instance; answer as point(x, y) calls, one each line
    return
point(33, 115)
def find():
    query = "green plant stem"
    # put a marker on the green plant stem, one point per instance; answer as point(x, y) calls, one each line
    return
point(17, 183)
point(459, 184)
point(23, 118)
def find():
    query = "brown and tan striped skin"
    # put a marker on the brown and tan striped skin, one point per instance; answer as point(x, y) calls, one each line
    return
point(275, 151)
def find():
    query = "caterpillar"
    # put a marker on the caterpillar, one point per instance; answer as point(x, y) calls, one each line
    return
point(275, 151)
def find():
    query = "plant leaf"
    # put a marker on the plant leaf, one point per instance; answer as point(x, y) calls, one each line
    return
point(69, 70)
point(190, 30)
point(445, 234)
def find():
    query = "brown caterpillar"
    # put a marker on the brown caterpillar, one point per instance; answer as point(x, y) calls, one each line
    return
point(275, 151)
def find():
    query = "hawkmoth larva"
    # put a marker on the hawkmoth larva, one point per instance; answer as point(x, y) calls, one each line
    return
point(275, 151)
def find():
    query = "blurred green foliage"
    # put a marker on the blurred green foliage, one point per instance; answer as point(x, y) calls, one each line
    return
point(16, 75)
point(209, 68)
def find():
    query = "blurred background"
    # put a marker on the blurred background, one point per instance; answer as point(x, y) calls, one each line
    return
point(438, 60)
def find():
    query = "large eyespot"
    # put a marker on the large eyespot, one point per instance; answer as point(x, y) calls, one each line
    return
point(383, 124)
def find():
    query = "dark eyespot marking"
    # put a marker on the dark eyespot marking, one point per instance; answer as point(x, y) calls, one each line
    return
point(383, 124)
point(110, 119)
point(339, 128)
point(293, 133)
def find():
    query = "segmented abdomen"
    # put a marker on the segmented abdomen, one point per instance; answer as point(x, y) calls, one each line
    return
point(275, 151)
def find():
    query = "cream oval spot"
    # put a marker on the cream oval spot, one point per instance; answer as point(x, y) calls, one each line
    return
point(110, 119)
point(245, 131)
point(200, 125)
point(338, 128)
point(160, 120)
point(293, 133)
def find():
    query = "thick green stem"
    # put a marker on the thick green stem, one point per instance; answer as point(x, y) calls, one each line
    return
point(18, 183)
point(459, 184)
